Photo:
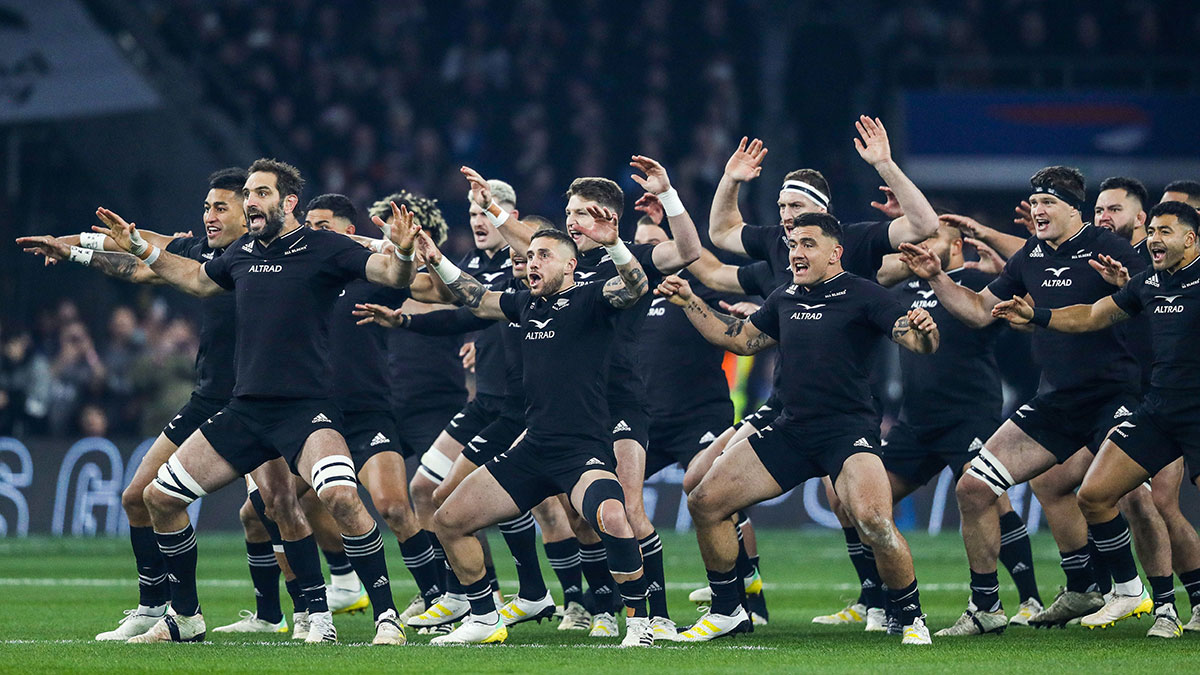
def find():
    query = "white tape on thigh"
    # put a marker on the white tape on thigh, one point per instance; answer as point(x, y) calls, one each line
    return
point(435, 465)
point(175, 481)
point(331, 471)
point(991, 471)
point(251, 486)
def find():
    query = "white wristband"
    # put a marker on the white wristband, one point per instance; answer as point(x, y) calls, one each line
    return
point(672, 205)
point(403, 257)
point(619, 253)
point(154, 253)
point(448, 271)
point(377, 245)
point(83, 256)
point(499, 220)
point(139, 245)
point(92, 240)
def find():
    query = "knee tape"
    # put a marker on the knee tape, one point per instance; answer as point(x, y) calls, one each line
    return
point(624, 555)
point(332, 471)
point(435, 465)
point(175, 481)
point(991, 471)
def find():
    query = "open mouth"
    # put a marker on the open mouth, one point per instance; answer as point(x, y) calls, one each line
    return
point(212, 231)
point(1157, 254)
point(1041, 224)
point(575, 235)
point(534, 279)
point(257, 218)
point(480, 233)
point(799, 267)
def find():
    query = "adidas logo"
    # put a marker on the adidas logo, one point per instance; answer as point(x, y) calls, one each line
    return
point(380, 582)
point(1152, 280)
point(594, 462)
point(572, 589)
point(867, 583)
point(1019, 567)
point(621, 426)
point(975, 445)
point(653, 587)
point(862, 443)
point(708, 437)
point(909, 608)
point(380, 439)
point(248, 246)
point(1122, 412)
point(603, 590)
point(172, 578)
point(321, 418)
point(1037, 252)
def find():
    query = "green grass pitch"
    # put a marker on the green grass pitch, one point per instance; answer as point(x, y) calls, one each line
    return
point(56, 594)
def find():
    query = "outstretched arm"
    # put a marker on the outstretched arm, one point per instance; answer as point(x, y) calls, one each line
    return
point(1006, 245)
point(892, 271)
point(466, 289)
point(919, 221)
point(715, 274)
point(630, 284)
point(725, 220)
point(973, 309)
point(517, 233)
point(739, 336)
point(1073, 319)
point(121, 266)
point(183, 273)
point(684, 248)
point(916, 332)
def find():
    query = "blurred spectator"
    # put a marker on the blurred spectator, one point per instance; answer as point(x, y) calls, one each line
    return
point(78, 374)
point(93, 421)
point(163, 376)
point(24, 384)
point(125, 341)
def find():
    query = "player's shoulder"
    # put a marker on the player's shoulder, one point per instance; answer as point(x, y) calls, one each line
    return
point(1107, 241)
point(865, 228)
point(973, 279)
point(189, 247)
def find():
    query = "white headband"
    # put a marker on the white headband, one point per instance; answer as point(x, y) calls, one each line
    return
point(806, 190)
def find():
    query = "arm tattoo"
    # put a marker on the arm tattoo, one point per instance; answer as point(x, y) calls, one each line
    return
point(900, 328)
point(117, 265)
point(468, 291)
point(624, 290)
point(733, 325)
point(758, 342)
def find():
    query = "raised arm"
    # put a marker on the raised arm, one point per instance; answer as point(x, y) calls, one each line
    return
point(1073, 319)
point(715, 274)
point(395, 269)
point(917, 332)
point(973, 309)
point(1005, 245)
point(725, 220)
point(466, 289)
point(739, 336)
point(182, 273)
point(517, 233)
point(684, 247)
point(123, 266)
point(892, 271)
point(919, 221)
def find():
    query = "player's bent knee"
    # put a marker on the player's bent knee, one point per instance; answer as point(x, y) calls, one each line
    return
point(334, 471)
point(1093, 501)
point(984, 470)
point(248, 515)
point(394, 512)
point(435, 467)
point(172, 488)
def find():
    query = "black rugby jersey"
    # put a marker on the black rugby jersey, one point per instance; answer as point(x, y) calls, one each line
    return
point(683, 370)
point(284, 295)
point(1062, 277)
point(358, 353)
point(216, 366)
point(959, 381)
point(829, 337)
point(1172, 304)
point(567, 344)
point(494, 273)
point(426, 372)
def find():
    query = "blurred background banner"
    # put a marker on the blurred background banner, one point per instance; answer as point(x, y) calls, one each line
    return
point(986, 140)
point(56, 63)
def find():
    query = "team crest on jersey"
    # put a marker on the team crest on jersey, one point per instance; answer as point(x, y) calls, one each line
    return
point(1037, 252)
point(507, 263)
point(1152, 280)
point(561, 303)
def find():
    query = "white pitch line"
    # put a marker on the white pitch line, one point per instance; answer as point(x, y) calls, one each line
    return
point(245, 583)
point(288, 644)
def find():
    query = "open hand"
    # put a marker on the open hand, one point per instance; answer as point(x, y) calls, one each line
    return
point(649, 205)
point(873, 146)
point(1016, 311)
point(741, 310)
point(52, 248)
point(746, 162)
point(920, 260)
point(656, 180)
point(1110, 269)
point(372, 313)
point(481, 194)
point(603, 228)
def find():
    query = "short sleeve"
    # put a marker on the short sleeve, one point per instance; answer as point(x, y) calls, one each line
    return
point(644, 253)
point(1127, 298)
point(349, 259)
point(1009, 284)
point(180, 246)
point(755, 278)
point(1130, 258)
point(883, 308)
point(511, 304)
point(756, 239)
point(864, 246)
point(218, 269)
point(766, 319)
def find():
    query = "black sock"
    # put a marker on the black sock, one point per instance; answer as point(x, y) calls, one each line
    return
point(1101, 575)
point(338, 562)
point(366, 555)
point(1017, 555)
point(906, 602)
point(479, 594)
point(854, 548)
point(264, 574)
point(744, 567)
point(180, 554)
point(633, 594)
point(873, 589)
point(985, 591)
point(563, 557)
point(1112, 542)
point(423, 565)
point(153, 589)
point(443, 568)
point(1078, 568)
point(489, 572)
point(521, 536)
point(594, 563)
point(306, 565)
point(724, 586)
point(299, 604)
point(1191, 586)
point(654, 576)
point(1162, 589)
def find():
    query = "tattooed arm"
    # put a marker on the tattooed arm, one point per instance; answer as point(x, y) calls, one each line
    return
point(465, 288)
point(122, 266)
point(1073, 319)
point(739, 336)
point(916, 332)
point(630, 285)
